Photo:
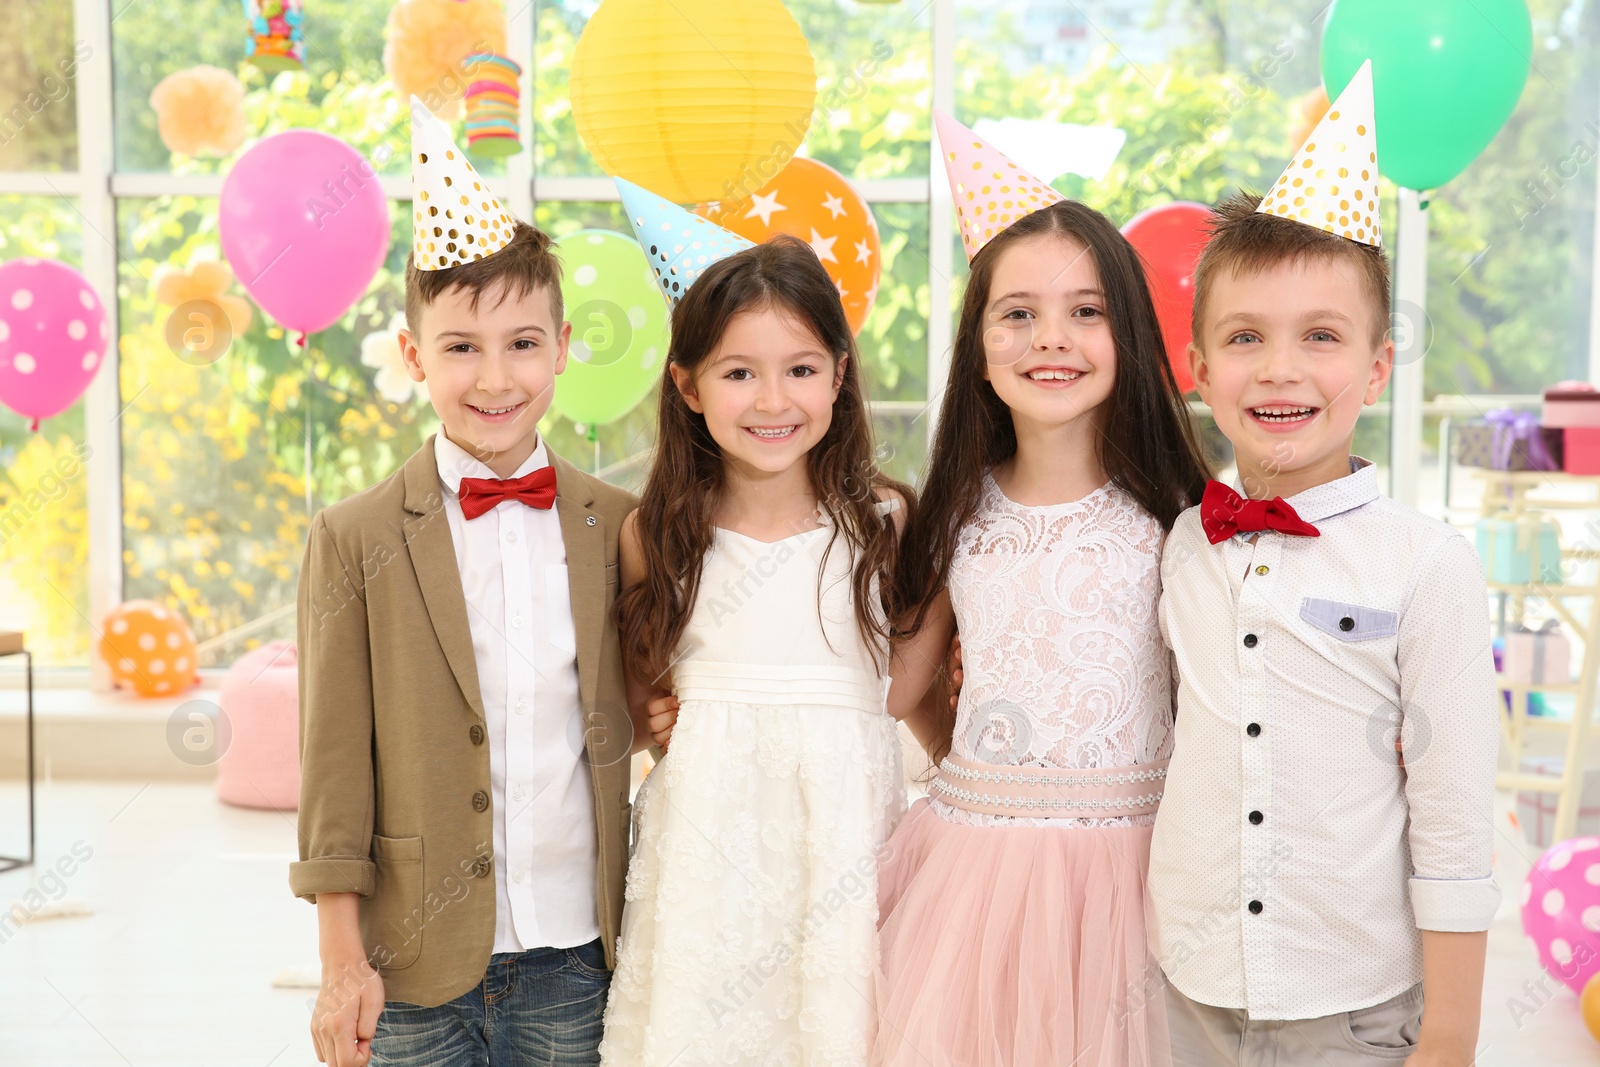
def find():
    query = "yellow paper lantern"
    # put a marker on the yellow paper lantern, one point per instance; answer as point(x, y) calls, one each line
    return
point(693, 99)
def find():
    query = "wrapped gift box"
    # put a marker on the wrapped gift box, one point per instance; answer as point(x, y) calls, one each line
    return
point(1538, 657)
point(1510, 441)
point(1571, 404)
point(1536, 811)
point(1580, 450)
point(1517, 552)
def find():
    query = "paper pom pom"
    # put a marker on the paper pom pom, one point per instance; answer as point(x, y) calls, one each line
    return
point(427, 41)
point(200, 110)
point(205, 280)
point(381, 349)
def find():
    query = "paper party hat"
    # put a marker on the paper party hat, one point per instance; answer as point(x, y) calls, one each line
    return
point(990, 191)
point(454, 217)
point(679, 244)
point(1332, 182)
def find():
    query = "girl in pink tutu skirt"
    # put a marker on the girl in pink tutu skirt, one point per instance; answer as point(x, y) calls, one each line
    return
point(1011, 901)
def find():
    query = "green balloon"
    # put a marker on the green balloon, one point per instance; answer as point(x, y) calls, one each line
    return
point(619, 326)
point(1446, 75)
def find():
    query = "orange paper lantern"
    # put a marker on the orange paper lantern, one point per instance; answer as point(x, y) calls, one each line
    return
point(815, 203)
point(149, 649)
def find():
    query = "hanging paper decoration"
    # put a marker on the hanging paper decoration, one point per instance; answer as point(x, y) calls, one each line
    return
point(815, 203)
point(53, 336)
point(380, 350)
point(206, 281)
point(276, 39)
point(199, 110)
point(427, 42)
point(696, 100)
point(492, 105)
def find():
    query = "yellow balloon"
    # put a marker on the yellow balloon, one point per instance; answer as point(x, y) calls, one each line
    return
point(1590, 1004)
point(693, 99)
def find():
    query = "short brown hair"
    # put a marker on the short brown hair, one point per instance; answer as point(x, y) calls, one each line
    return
point(526, 263)
point(1244, 241)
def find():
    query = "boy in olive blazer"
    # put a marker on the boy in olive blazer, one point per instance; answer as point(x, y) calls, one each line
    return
point(465, 725)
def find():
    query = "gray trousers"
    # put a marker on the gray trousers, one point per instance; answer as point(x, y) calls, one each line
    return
point(1204, 1036)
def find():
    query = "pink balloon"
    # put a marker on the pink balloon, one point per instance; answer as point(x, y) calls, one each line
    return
point(305, 226)
point(53, 335)
point(1561, 910)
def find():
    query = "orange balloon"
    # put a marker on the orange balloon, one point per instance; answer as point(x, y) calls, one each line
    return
point(1304, 114)
point(815, 203)
point(149, 648)
point(1589, 1003)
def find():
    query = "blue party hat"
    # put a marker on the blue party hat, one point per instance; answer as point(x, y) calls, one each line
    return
point(680, 245)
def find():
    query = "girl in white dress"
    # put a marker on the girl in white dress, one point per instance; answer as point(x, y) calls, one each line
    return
point(754, 578)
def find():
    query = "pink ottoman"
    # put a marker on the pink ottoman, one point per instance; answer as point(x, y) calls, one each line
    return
point(261, 698)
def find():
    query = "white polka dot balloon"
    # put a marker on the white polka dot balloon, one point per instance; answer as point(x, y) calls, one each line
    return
point(1561, 910)
point(52, 337)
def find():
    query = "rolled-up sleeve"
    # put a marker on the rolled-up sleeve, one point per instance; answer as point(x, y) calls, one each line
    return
point(1451, 740)
point(336, 715)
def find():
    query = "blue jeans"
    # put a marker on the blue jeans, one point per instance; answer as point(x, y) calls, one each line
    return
point(540, 1008)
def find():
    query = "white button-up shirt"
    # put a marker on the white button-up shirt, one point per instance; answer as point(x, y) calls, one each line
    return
point(513, 565)
point(1294, 858)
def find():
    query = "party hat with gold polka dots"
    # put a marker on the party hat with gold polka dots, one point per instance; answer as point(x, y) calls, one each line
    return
point(455, 219)
point(679, 245)
point(990, 191)
point(1332, 182)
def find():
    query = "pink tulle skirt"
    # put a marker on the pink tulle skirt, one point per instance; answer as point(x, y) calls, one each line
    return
point(1016, 946)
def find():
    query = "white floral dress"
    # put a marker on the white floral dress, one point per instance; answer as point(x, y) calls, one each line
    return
point(750, 930)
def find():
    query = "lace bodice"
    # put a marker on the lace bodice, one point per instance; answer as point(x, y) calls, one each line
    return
point(1061, 646)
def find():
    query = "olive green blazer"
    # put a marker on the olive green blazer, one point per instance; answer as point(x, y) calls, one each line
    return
point(394, 794)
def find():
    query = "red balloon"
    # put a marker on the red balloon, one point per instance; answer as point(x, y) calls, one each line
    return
point(1170, 239)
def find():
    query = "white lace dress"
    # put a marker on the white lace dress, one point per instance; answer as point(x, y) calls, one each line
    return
point(1012, 899)
point(750, 930)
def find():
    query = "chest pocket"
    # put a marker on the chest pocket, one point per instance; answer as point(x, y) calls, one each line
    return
point(1349, 622)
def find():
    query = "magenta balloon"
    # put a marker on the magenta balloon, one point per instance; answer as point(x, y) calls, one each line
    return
point(305, 226)
point(53, 337)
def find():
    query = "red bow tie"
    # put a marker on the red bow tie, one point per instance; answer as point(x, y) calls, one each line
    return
point(537, 490)
point(1224, 512)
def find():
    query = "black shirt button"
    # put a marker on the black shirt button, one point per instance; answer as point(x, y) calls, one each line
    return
point(1254, 729)
point(1347, 624)
point(480, 800)
point(1249, 640)
point(1255, 818)
point(476, 733)
point(1255, 907)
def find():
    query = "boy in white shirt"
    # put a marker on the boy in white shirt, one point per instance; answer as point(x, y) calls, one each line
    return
point(1313, 887)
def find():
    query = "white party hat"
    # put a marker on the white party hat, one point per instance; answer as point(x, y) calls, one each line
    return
point(1332, 182)
point(455, 218)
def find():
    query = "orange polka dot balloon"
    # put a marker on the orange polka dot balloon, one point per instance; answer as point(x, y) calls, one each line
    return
point(815, 203)
point(149, 649)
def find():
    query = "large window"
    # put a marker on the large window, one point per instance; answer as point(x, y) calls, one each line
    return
point(225, 458)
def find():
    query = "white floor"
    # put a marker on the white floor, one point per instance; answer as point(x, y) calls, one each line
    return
point(192, 919)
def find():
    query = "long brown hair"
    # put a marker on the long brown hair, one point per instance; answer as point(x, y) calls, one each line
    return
point(1148, 445)
point(687, 476)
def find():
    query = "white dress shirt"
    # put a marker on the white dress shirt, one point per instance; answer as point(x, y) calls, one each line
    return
point(1294, 859)
point(513, 565)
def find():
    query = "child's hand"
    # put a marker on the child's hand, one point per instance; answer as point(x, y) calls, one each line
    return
point(953, 668)
point(663, 713)
point(345, 1018)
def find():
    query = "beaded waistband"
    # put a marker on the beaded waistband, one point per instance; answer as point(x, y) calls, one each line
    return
point(1050, 792)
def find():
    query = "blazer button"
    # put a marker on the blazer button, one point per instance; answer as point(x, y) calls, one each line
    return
point(480, 800)
point(1254, 729)
point(1255, 907)
point(1255, 818)
point(1347, 624)
point(476, 733)
point(589, 520)
point(1249, 640)
point(481, 868)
